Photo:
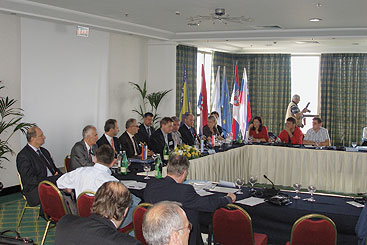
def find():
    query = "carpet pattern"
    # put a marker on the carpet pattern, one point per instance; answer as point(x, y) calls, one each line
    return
point(32, 226)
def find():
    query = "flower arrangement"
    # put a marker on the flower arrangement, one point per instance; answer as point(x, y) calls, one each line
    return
point(188, 151)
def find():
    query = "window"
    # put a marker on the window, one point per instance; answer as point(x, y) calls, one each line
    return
point(305, 83)
point(206, 59)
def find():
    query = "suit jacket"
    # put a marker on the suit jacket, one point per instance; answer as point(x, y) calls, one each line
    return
point(187, 137)
point(127, 144)
point(143, 134)
point(32, 170)
point(94, 229)
point(157, 142)
point(103, 141)
point(168, 189)
point(79, 155)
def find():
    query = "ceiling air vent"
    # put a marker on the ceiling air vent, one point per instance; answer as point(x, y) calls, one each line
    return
point(268, 27)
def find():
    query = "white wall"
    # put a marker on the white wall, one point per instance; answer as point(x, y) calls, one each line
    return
point(64, 82)
point(10, 75)
point(127, 63)
point(162, 74)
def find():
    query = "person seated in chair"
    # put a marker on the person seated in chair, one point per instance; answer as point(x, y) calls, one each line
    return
point(176, 135)
point(162, 137)
point(216, 115)
point(146, 129)
point(258, 131)
point(111, 129)
point(35, 164)
point(187, 130)
point(317, 135)
point(166, 223)
point(210, 129)
point(110, 206)
point(291, 134)
point(83, 151)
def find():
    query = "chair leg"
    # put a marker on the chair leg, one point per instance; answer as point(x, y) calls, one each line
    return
point(22, 214)
point(45, 234)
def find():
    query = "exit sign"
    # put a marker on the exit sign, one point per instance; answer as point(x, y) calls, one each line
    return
point(82, 31)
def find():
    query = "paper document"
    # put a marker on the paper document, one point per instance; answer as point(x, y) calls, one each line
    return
point(223, 189)
point(355, 204)
point(152, 173)
point(227, 184)
point(204, 193)
point(251, 201)
point(133, 184)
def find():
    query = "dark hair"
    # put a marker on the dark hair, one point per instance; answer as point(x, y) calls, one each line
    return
point(148, 114)
point(291, 119)
point(214, 113)
point(111, 200)
point(129, 123)
point(165, 120)
point(110, 123)
point(105, 154)
point(31, 132)
point(317, 119)
point(177, 164)
point(261, 123)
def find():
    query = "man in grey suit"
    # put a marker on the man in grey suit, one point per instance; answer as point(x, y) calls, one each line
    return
point(83, 152)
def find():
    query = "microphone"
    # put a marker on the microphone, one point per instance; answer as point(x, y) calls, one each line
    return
point(270, 192)
point(266, 177)
point(307, 107)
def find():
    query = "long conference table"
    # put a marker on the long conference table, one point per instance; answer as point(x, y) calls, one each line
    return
point(328, 170)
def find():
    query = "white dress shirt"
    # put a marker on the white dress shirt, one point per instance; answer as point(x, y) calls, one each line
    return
point(35, 149)
point(109, 139)
point(85, 178)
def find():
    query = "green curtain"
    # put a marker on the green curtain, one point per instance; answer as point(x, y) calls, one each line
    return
point(343, 80)
point(269, 80)
point(186, 56)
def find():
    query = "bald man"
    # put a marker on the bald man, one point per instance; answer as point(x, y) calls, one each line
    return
point(35, 164)
point(83, 152)
point(166, 223)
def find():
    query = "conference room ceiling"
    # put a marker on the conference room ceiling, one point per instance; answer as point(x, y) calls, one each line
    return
point(343, 22)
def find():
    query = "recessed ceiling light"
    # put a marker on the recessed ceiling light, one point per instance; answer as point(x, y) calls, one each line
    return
point(315, 20)
point(355, 43)
point(307, 41)
point(178, 13)
point(319, 5)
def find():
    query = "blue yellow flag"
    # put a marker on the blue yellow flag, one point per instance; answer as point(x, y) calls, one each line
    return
point(185, 99)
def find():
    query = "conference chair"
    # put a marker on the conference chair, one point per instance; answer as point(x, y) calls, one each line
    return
point(138, 220)
point(313, 229)
point(84, 203)
point(26, 206)
point(67, 162)
point(232, 225)
point(53, 204)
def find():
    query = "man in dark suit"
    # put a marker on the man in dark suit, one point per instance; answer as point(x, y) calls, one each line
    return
point(111, 129)
point(162, 137)
point(109, 209)
point(187, 130)
point(172, 189)
point(34, 164)
point(146, 129)
point(129, 141)
point(83, 152)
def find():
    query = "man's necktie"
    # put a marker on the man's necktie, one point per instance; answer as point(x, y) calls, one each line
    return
point(90, 155)
point(148, 130)
point(112, 144)
point(48, 164)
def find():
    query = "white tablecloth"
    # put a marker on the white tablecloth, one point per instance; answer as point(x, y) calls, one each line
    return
point(334, 171)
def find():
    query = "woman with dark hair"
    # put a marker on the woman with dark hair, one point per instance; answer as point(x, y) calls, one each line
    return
point(258, 131)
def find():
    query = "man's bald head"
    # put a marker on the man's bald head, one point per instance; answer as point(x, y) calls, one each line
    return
point(35, 136)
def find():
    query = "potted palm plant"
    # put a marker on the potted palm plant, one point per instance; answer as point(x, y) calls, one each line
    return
point(154, 99)
point(10, 124)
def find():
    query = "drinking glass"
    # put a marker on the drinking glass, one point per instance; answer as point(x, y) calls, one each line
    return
point(146, 170)
point(252, 181)
point(297, 187)
point(239, 183)
point(317, 143)
point(312, 190)
point(354, 144)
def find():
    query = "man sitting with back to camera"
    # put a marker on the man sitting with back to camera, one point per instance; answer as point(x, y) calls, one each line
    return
point(91, 178)
point(109, 209)
point(172, 188)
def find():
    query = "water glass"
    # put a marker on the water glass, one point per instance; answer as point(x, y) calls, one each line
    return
point(147, 168)
point(312, 190)
point(297, 187)
point(354, 144)
point(239, 183)
point(252, 181)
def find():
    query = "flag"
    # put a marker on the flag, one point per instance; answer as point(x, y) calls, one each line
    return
point(224, 102)
point(202, 102)
point(215, 103)
point(185, 99)
point(236, 105)
point(245, 108)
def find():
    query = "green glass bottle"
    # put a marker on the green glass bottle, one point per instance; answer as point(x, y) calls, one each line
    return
point(158, 167)
point(165, 153)
point(124, 165)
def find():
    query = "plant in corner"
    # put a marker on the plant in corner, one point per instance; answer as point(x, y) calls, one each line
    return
point(10, 124)
point(154, 100)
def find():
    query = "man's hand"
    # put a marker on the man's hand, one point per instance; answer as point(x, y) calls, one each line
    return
point(57, 173)
point(305, 110)
point(150, 153)
point(232, 196)
point(68, 190)
point(114, 161)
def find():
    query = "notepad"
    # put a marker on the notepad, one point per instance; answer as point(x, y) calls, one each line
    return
point(251, 201)
point(133, 184)
point(355, 204)
point(223, 189)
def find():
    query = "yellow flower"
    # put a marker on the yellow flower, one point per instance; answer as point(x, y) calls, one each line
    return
point(188, 155)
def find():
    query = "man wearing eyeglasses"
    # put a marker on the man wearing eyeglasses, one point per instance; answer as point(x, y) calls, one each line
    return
point(166, 223)
point(129, 141)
